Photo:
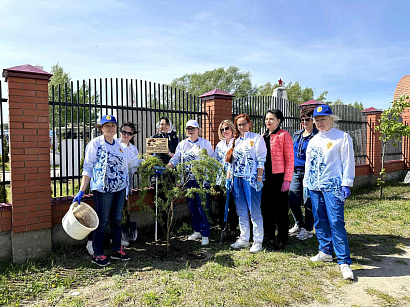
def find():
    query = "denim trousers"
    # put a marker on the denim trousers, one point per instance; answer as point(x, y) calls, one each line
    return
point(297, 198)
point(109, 208)
point(247, 201)
point(328, 212)
point(199, 218)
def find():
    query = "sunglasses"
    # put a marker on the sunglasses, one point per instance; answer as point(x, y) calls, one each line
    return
point(225, 129)
point(242, 125)
point(127, 133)
point(305, 120)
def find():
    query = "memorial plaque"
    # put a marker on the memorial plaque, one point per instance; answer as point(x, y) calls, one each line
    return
point(154, 145)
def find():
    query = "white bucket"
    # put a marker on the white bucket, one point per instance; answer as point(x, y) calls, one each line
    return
point(76, 213)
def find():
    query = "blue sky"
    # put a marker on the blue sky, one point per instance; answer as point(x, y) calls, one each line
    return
point(355, 50)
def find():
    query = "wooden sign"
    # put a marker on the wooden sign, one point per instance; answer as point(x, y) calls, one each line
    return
point(154, 145)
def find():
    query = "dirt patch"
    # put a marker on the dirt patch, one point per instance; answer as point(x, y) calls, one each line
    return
point(389, 275)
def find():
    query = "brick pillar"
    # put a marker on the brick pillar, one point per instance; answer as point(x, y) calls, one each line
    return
point(29, 161)
point(374, 145)
point(218, 105)
point(406, 140)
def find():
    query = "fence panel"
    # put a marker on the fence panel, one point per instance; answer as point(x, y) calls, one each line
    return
point(257, 106)
point(351, 121)
point(4, 153)
point(76, 108)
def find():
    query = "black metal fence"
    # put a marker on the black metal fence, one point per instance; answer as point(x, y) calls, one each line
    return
point(351, 119)
point(76, 108)
point(257, 106)
point(4, 163)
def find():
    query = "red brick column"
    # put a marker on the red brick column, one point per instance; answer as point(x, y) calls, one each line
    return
point(374, 145)
point(218, 105)
point(29, 161)
point(406, 140)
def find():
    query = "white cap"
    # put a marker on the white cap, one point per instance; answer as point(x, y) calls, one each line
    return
point(192, 123)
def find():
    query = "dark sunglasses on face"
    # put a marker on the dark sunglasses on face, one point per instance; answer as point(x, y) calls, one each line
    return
point(127, 133)
point(225, 129)
point(305, 120)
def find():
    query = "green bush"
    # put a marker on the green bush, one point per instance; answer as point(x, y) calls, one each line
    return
point(3, 194)
point(5, 151)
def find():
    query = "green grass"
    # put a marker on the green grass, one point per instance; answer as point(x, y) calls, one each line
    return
point(383, 298)
point(216, 275)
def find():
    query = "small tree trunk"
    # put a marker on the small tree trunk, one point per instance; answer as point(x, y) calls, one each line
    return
point(170, 217)
point(382, 171)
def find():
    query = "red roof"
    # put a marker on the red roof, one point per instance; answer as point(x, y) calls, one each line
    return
point(312, 102)
point(216, 92)
point(370, 110)
point(20, 71)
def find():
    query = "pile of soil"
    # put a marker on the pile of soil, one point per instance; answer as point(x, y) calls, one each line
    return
point(83, 215)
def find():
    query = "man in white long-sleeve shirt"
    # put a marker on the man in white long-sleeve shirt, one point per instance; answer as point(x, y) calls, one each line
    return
point(329, 174)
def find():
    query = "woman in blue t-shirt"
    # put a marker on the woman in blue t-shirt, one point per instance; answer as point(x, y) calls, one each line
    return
point(302, 228)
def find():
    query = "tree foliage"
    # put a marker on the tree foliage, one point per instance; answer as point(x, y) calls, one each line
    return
point(238, 83)
point(231, 80)
point(392, 128)
point(294, 91)
point(62, 90)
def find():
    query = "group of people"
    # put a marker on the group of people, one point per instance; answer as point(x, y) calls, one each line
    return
point(265, 175)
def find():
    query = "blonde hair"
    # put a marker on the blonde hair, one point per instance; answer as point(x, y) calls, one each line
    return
point(334, 119)
point(231, 126)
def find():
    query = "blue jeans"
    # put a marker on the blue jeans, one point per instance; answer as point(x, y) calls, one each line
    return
point(296, 198)
point(108, 207)
point(328, 211)
point(199, 218)
point(247, 201)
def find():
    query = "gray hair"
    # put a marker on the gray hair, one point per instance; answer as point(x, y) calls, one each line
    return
point(334, 119)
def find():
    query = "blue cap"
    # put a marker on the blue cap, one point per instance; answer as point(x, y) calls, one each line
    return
point(322, 110)
point(108, 119)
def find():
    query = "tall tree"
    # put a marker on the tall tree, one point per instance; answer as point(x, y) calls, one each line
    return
point(358, 105)
point(61, 90)
point(231, 80)
point(322, 97)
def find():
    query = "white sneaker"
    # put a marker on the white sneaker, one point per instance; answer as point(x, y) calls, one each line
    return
point(346, 271)
point(294, 230)
point(89, 248)
point(194, 236)
point(322, 257)
point(304, 234)
point(125, 243)
point(240, 244)
point(205, 241)
point(256, 247)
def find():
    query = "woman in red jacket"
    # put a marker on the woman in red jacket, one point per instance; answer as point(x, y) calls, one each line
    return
point(278, 175)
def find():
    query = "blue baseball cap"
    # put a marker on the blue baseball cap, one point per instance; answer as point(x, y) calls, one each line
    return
point(108, 119)
point(322, 110)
